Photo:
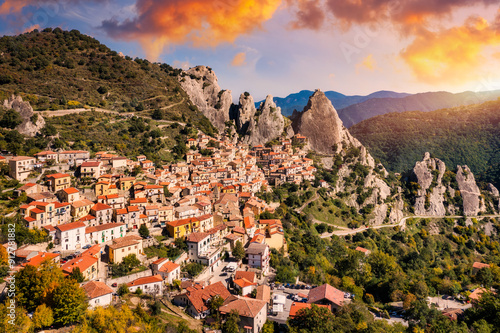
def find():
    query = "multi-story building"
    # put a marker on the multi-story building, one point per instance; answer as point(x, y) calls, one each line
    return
point(102, 212)
point(200, 250)
point(258, 257)
point(102, 233)
point(58, 181)
point(73, 157)
point(90, 169)
point(38, 214)
point(21, 166)
point(123, 247)
point(71, 236)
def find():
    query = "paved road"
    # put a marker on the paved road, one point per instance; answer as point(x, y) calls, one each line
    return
point(402, 224)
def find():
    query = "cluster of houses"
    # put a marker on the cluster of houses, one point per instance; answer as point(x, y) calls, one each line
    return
point(94, 205)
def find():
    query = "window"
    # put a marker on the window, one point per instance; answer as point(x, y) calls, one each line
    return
point(123, 250)
point(135, 247)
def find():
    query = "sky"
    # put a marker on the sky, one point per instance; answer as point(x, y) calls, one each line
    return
point(279, 47)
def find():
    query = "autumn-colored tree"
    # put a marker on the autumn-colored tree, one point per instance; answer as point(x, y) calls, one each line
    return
point(68, 302)
point(43, 316)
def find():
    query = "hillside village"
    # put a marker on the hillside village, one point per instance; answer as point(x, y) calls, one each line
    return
point(205, 212)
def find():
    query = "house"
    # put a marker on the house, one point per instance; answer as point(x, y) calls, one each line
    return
point(123, 247)
point(296, 307)
point(279, 301)
point(58, 181)
point(29, 189)
point(201, 251)
point(245, 282)
point(115, 201)
point(105, 232)
point(71, 236)
point(476, 266)
point(81, 208)
point(126, 183)
point(90, 169)
point(69, 194)
point(38, 214)
point(182, 228)
point(74, 157)
point(253, 312)
point(197, 298)
point(103, 187)
point(98, 293)
point(21, 166)
point(258, 257)
point(102, 212)
point(149, 285)
point(168, 270)
point(326, 295)
point(475, 296)
point(43, 257)
point(88, 265)
point(366, 252)
point(45, 156)
point(131, 216)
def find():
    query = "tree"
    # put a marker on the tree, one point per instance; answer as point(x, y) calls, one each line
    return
point(130, 262)
point(157, 114)
point(77, 275)
point(43, 316)
point(123, 290)
point(68, 302)
point(238, 251)
point(214, 304)
point(180, 244)
point(315, 319)
point(156, 308)
point(485, 277)
point(10, 119)
point(144, 231)
point(268, 327)
point(231, 323)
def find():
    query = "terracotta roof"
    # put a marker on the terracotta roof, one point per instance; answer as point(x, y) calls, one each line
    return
point(246, 307)
point(145, 280)
point(197, 237)
point(71, 190)
point(125, 241)
point(476, 294)
point(250, 276)
point(263, 293)
point(199, 297)
point(95, 289)
point(40, 257)
point(90, 164)
point(159, 261)
point(326, 292)
point(70, 226)
point(58, 175)
point(169, 266)
point(100, 206)
point(102, 227)
point(178, 223)
point(256, 248)
point(480, 265)
point(83, 262)
point(244, 282)
point(82, 203)
point(248, 221)
point(87, 218)
point(296, 307)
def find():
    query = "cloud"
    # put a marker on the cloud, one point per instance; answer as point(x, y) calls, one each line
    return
point(368, 63)
point(16, 6)
point(451, 55)
point(202, 23)
point(185, 65)
point(310, 15)
point(239, 59)
point(31, 28)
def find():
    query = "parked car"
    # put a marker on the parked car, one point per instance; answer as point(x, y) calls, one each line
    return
point(59, 252)
point(223, 274)
point(287, 285)
point(281, 287)
point(114, 285)
point(289, 296)
point(303, 286)
point(63, 261)
point(86, 246)
point(77, 253)
point(304, 300)
point(308, 287)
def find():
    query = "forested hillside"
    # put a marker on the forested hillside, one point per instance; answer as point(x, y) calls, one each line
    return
point(464, 135)
point(55, 69)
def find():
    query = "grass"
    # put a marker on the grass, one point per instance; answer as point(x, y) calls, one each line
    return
point(321, 213)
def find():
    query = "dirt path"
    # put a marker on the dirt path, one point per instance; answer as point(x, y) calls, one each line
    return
point(301, 208)
point(60, 113)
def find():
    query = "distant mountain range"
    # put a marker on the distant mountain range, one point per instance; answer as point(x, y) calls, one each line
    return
point(354, 109)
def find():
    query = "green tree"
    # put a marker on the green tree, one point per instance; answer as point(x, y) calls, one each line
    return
point(68, 302)
point(143, 231)
point(485, 277)
point(157, 114)
point(314, 319)
point(123, 289)
point(43, 316)
point(238, 251)
point(10, 119)
point(231, 323)
point(130, 262)
point(268, 327)
point(214, 304)
point(77, 275)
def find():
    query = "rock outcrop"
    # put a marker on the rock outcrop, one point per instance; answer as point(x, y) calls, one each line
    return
point(201, 85)
point(430, 196)
point(246, 112)
point(320, 123)
point(472, 202)
point(266, 124)
point(29, 126)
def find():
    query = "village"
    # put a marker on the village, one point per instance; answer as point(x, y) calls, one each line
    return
point(110, 219)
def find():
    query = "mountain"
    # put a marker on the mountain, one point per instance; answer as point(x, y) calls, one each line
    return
point(298, 101)
point(55, 69)
point(463, 135)
point(425, 102)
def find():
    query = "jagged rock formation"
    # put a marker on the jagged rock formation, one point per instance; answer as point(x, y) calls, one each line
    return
point(471, 196)
point(430, 195)
point(246, 112)
point(201, 85)
point(27, 127)
point(320, 123)
point(266, 124)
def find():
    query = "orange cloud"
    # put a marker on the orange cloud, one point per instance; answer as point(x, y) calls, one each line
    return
point(368, 63)
point(310, 15)
point(199, 22)
point(452, 55)
point(31, 28)
point(239, 59)
point(13, 6)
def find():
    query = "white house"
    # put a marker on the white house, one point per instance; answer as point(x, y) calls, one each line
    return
point(104, 232)
point(148, 284)
point(201, 251)
point(98, 293)
point(71, 236)
point(258, 257)
point(168, 270)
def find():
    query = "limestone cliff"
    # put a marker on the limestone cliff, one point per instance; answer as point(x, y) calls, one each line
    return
point(471, 196)
point(258, 126)
point(430, 194)
point(320, 123)
point(202, 87)
point(29, 127)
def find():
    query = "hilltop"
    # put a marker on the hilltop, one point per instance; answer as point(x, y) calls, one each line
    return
point(55, 69)
point(462, 135)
